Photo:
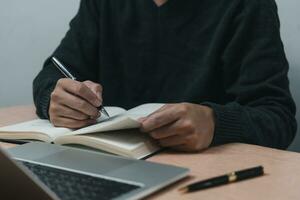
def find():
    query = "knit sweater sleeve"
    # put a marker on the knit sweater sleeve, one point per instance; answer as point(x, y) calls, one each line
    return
point(255, 70)
point(77, 51)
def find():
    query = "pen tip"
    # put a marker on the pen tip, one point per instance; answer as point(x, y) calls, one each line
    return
point(105, 112)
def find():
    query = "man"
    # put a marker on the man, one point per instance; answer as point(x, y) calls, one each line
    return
point(219, 65)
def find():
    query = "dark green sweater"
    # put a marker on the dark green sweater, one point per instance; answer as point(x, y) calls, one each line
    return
point(224, 54)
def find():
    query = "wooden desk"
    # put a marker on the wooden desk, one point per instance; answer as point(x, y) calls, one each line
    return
point(282, 179)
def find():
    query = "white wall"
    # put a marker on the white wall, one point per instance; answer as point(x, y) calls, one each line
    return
point(29, 32)
point(289, 11)
point(31, 29)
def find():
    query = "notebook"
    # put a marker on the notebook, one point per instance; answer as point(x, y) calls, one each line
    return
point(118, 134)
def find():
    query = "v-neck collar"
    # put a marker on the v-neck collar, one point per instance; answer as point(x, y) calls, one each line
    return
point(166, 6)
point(174, 13)
point(172, 7)
point(161, 6)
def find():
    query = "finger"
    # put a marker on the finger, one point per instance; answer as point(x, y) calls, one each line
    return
point(192, 145)
point(159, 119)
point(142, 119)
point(74, 102)
point(96, 88)
point(81, 90)
point(71, 123)
point(67, 112)
point(167, 106)
point(167, 131)
point(174, 141)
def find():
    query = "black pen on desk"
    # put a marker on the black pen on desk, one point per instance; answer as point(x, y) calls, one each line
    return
point(225, 179)
point(67, 74)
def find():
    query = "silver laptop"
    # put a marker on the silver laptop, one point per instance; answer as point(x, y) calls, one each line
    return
point(52, 172)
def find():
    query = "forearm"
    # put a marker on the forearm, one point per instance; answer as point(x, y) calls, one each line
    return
point(258, 107)
point(266, 125)
point(43, 85)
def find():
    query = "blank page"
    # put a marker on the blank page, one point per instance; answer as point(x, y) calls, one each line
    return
point(143, 110)
point(36, 126)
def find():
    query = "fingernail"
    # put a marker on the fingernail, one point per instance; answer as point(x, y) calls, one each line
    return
point(99, 95)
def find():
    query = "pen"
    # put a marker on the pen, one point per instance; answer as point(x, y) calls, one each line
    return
point(221, 180)
point(67, 74)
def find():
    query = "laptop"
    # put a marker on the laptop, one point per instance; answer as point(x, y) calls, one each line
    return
point(52, 172)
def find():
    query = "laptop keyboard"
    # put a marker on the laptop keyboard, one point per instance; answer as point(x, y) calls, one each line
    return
point(72, 186)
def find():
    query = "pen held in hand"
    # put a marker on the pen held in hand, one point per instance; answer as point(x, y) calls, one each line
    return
point(102, 110)
point(225, 179)
point(67, 74)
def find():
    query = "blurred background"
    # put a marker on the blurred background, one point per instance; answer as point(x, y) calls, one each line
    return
point(30, 31)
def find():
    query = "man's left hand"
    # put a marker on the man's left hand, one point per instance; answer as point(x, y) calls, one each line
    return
point(184, 126)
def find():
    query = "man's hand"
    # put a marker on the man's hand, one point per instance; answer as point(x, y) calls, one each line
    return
point(74, 104)
point(185, 127)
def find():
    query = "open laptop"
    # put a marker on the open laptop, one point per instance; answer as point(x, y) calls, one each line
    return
point(52, 172)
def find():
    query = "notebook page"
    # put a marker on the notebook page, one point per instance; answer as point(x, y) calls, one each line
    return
point(45, 127)
point(143, 110)
point(114, 123)
point(37, 126)
point(125, 120)
point(130, 143)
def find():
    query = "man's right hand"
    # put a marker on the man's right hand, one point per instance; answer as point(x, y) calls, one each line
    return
point(74, 104)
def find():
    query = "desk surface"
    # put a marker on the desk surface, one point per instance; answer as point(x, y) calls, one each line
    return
point(282, 179)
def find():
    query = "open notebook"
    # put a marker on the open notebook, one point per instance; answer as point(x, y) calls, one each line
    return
point(118, 134)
